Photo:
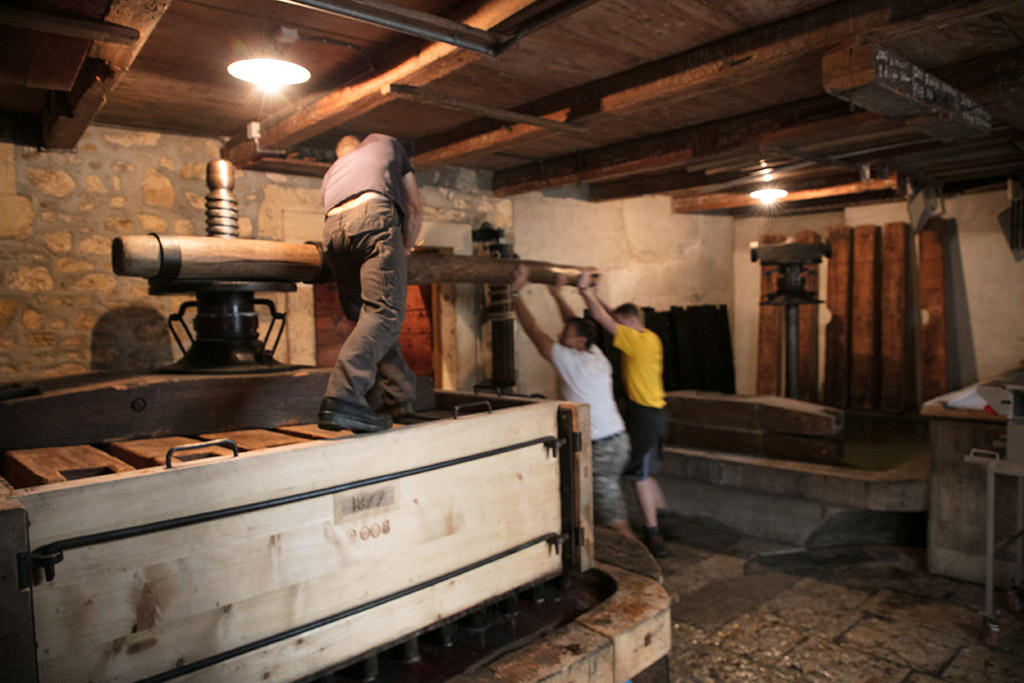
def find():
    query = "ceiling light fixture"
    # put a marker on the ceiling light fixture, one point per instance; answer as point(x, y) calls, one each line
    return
point(769, 195)
point(268, 74)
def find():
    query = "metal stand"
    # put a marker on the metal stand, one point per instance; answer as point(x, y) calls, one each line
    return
point(1005, 394)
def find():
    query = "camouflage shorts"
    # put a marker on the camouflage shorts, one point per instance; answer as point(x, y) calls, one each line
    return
point(610, 457)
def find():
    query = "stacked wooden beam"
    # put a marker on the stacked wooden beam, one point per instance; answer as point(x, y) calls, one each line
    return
point(771, 426)
point(872, 298)
point(871, 356)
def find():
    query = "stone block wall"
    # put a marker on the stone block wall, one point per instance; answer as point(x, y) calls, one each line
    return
point(64, 312)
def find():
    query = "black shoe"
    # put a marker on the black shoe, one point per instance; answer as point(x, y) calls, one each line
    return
point(670, 524)
point(335, 416)
point(656, 544)
point(399, 411)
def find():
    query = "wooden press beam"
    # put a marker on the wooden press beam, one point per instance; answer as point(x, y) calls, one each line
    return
point(69, 27)
point(732, 61)
point(215, 258)
point(63, 125)
point(338, 106)
point(733, 200)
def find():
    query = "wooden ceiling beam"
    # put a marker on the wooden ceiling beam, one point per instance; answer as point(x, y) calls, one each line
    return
point(332, 110)
point(812, 127)
point(741, 137)
point(733, 200)
point(69, 27)
point(686, 184)
point(729, 62)
point(68, 116)
point(409, 92)
point(878, 80)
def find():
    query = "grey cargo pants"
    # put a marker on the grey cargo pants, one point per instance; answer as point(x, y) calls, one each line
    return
point(367, 256)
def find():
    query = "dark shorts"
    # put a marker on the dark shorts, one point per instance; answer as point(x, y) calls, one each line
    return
point(648, 429)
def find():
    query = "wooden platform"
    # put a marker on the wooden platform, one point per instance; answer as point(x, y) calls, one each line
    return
point(300, 532)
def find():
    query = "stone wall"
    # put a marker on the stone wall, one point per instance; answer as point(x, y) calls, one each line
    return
point(63, 311)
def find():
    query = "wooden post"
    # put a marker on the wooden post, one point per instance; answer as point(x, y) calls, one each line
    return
point(864, 366)
point(837, 332)
point(932, 298)
point(17, 633)
point(897, 362)
point(808, 326)
point(769, 332)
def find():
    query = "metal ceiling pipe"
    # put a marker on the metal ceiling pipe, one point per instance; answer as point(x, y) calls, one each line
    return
point(411, 22)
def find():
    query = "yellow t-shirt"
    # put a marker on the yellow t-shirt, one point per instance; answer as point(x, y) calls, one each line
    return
point(641, 365)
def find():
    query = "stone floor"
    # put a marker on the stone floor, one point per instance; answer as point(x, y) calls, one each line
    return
point(745, 610)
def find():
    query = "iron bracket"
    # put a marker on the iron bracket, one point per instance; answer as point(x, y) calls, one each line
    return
point(41, 558)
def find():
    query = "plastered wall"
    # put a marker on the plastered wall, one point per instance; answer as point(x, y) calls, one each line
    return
point(646, 253)
point(985, 284)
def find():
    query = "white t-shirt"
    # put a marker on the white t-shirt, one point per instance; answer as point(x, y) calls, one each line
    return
point(587, 378)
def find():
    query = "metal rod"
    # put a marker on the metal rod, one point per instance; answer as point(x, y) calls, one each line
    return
point(411, 22)
point(990, 543)
point(792, 349)
point(1020, 530)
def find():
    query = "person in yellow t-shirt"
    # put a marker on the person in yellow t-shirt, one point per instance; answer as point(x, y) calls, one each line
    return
point(646, 422)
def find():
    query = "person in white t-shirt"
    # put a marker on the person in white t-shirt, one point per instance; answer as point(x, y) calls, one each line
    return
point(586, 376)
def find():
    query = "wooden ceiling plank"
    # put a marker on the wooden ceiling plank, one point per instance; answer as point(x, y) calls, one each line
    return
point(69, 27)
point(335, 108)
point(415, 94)
point(733, 200)
point(63, 127)
point(743, 58)
point(738, 138)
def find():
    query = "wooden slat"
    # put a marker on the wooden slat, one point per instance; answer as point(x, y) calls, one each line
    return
point(837, 331)
point(897, 380)
point(763, 413)
point(142, 453)
point(36, 466)
point(807, 355)
point(311, 431)
point(326, 646)
point(769, 332)
point(864, 321)
point(932, 300)
point(282, 567)
point(136, 498)
point(580, 508)
point(254, 439)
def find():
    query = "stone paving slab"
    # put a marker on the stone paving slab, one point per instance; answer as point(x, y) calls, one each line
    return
point(904, 642)
point(816, 660)
point(855, 614)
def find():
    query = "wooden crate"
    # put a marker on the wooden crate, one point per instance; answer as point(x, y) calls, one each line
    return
point(364, 540)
